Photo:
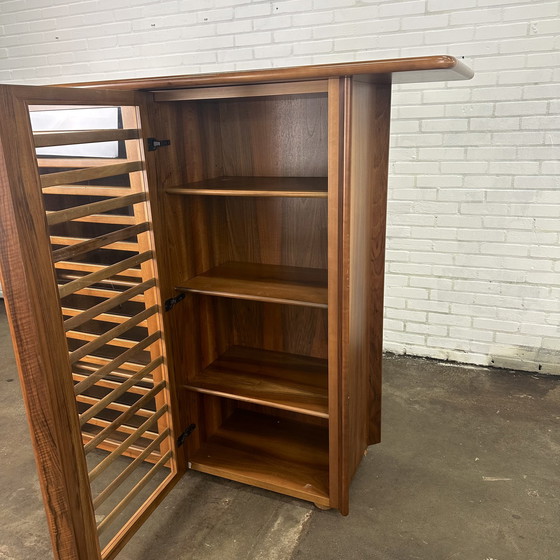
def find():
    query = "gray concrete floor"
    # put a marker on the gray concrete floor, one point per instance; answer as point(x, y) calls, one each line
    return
point(469, 469)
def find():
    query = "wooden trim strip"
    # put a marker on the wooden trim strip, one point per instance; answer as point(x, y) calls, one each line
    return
point(102, 496)
point(46, 98)
point(107, 305)
point(74, 266)
point(424, 68)
point(89, 337)
point(117, 407)
point(132, 410)
point(111, 334)
point(250, 90)
point(111, 384)
point(103, 317)
point(103, 274)
point(116, 393)
point(128, 430)
point(129, 247)
point(132, 494)
point(91, 363)
point(117, 362)
point(112, 282)
point(102, 241)
point(113, 219)
point(90, 173)
point(87, 190)
point(124, 534)
point(99, 468)
point(133, 451)
point(68, 214)
point(102, 293)
point(63, 138)
point(77, 162)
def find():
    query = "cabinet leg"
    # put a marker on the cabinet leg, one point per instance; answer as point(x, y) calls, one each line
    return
point(322, 507)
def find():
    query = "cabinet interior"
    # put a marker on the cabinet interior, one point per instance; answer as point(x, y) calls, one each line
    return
point(248, 219)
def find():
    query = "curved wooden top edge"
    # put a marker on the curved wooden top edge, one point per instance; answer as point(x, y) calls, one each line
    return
point(403, 70)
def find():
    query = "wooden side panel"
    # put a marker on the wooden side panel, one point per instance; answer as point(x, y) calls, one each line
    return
point(364, 217)
point(32, 301)
point(180, 236)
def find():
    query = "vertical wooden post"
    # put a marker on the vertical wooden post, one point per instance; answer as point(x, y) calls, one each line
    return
point(336, 97)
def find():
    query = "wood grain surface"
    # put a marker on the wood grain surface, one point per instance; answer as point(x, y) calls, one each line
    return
point(308, 187)
point(401, 70)
point(261, 282)
point(269, 452)
point(250, 90)
point(43, 139)
point(39, 341)
point(287, 381)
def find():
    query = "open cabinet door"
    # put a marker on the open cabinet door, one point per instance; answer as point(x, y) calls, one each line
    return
point(79, 275)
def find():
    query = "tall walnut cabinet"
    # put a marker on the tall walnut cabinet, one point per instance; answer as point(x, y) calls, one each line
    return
point(209, 295)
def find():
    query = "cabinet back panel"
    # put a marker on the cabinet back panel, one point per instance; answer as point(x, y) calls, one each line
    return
point(280, 231)
point(284, 414)
point(280, 137)
point(284, 136)
point(281, 328)
point(215, 324)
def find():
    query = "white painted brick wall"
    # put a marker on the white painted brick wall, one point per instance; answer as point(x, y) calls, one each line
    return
point(473, 269)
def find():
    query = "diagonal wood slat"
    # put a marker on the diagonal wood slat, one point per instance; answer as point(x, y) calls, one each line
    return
point(103, 274)
point(114, 406)
point(74, 267)
point(115, 394)
point(137, 390)
point(107, 305)
point(90, 173)
point(128, 430)
point(87, 190)
point(114, 364)
point(111, 334)
point(129, 246)
point(89, 337)
point(103, 317)
point(68, 214)
point(86, 246)
point(124, 417)
point(114, 219)
point(77, 162)
point(99, 468)
point(92, 363)
point(45, 139)
point(103, 293)
point(129, 469)
point(134, 492)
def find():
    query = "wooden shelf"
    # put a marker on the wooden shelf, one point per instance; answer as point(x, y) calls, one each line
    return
point(308, 187)
point(262, 282)
point(269, 452)
point(276, 379)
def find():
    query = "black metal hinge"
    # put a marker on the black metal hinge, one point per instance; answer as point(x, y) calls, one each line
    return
point(154, 144)
point(171, 302)
point(181, 439)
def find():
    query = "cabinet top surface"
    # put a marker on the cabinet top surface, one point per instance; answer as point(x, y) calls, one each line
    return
point(397, 70)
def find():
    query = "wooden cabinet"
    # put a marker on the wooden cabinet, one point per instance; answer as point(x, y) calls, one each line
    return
point(195, 281)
